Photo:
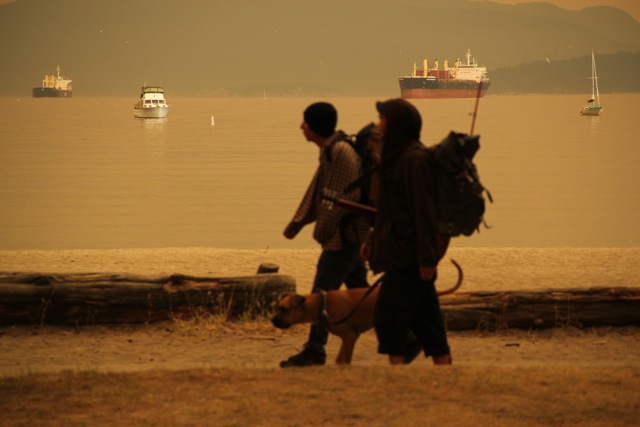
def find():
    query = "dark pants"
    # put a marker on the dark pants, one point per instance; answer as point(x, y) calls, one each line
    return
point(407, 304)
point(335, 268)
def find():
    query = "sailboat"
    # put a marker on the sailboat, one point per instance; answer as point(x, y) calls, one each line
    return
point(593, 107)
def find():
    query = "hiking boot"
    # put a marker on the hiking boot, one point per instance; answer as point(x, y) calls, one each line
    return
point(305, 358)
point(412, 350)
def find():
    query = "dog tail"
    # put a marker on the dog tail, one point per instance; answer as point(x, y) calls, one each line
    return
point(458, 284)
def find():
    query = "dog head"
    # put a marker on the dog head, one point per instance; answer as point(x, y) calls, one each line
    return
point(289, 311)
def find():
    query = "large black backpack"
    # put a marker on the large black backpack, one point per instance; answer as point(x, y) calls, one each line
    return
point(459, 192)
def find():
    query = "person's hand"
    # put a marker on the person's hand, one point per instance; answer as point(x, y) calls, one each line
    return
point(365, 251)
point(427, 273)
point(291, 231)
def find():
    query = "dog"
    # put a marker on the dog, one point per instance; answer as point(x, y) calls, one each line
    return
point(346, 313)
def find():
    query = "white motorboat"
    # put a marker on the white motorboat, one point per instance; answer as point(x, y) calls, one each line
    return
point(151, 104)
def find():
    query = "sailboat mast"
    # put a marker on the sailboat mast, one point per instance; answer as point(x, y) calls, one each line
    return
point(594, 89)
point(593, 107)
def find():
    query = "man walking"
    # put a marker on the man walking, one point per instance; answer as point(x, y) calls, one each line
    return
point(339, 232)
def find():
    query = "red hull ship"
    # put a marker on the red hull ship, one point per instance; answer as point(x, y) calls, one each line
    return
point(460, 81)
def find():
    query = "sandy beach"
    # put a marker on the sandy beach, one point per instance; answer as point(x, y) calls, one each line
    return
point(484, 268)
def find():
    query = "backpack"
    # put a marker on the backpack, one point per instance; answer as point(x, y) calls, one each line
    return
point(367, 143)
point(459, 192)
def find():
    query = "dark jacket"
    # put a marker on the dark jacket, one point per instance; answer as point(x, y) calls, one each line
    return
point(405, 225)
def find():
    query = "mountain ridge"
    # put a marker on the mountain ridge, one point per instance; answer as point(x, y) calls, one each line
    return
point(287, 47)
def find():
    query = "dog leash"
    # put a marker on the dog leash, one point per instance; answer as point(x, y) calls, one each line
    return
point(377, 282)
point(323, 317)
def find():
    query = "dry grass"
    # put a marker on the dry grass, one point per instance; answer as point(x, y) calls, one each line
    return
point(415, 395)
point(204, 322)
point(332, 396)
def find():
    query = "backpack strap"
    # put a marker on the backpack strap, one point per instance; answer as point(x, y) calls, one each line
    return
point(339, 136)
point(352, 140)
point(368, 174)
point(362, 180)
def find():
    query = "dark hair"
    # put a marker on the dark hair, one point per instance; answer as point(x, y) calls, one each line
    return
point(404, 124)
point(321, 118)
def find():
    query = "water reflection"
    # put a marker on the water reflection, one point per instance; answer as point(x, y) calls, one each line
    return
point(594, 124)
point(154, 126)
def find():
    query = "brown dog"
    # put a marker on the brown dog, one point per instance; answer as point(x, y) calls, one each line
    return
point(345, 313)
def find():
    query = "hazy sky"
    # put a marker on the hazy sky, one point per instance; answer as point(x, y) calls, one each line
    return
point(630, 6)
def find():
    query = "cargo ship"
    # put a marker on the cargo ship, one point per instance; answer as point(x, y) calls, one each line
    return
point(54, 87)
point(460, 81)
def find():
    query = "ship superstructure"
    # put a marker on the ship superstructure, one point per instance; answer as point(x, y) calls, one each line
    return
point(55, 86)
point(460, 81)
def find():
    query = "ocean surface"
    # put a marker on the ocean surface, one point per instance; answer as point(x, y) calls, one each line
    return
point(83, 173)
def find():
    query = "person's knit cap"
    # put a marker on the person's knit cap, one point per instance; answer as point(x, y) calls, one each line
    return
point(321, 118)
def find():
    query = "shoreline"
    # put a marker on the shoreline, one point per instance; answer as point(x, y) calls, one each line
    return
point(485, 269)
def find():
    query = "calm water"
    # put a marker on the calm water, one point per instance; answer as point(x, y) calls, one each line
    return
point(85, 174)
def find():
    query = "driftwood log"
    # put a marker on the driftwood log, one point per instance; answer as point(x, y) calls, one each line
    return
point(36, 298)
point(548, 308)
